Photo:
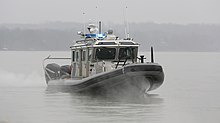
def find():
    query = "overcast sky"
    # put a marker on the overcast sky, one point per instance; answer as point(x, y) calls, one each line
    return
point(159, 11)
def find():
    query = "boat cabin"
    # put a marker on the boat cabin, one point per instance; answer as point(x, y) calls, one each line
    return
point(98, 53)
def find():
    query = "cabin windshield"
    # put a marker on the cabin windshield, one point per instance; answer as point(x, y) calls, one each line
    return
point(105, 53)
point(126, 53)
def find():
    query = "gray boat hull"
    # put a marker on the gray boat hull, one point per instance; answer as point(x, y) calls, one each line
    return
point(135, 78)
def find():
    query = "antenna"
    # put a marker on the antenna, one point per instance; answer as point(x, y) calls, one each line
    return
point(126, 23)
point(128, 33)
point(84, 23)
point(97, 11)
point(98, 7)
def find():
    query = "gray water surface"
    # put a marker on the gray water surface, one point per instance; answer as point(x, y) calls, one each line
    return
point(189, 94)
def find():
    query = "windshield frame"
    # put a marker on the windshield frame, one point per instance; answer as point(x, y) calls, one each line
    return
point(133, 53)
point(108, 53)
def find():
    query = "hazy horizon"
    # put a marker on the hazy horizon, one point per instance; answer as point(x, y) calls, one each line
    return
point(141, 11)
point(164, 37)
point(169, 25)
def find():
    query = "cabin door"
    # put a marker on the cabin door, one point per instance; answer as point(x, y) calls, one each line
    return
point(85, 64)
point(78, 63)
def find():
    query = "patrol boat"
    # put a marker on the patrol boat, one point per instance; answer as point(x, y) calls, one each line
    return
point(104, 63)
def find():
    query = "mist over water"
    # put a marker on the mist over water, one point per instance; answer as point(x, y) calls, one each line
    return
point(21, 68)
point(20, 80)
point(190, 93)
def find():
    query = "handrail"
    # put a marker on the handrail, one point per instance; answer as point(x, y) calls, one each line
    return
point(54, 58)
point(51, 58)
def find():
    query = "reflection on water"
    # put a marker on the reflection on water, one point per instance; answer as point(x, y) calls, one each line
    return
point(106, 109)
point(142, 98)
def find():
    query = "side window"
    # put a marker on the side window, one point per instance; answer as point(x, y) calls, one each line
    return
point(90, 54)
point(83, 55)
point(77, 56)
point(73, 56)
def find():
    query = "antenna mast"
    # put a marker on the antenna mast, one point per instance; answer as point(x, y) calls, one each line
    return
point(98, 12)
point(126, 24)
point(84, 23)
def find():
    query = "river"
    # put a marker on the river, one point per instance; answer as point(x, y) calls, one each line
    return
point(189, 94)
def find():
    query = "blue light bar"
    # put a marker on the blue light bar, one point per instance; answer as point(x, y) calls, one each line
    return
point(99, 36)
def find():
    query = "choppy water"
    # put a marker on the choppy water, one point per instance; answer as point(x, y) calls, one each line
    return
point(190, 93)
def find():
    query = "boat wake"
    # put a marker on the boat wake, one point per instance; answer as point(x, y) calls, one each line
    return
point(120, 91)
point(20, 79)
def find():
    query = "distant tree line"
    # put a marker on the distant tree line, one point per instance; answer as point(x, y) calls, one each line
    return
point(60, 35)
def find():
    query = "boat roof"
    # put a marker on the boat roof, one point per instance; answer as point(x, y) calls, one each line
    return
point(98, 39)
point(108, 41)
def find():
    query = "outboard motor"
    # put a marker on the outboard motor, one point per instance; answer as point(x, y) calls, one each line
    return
point(52, 72)
point(65, 71)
